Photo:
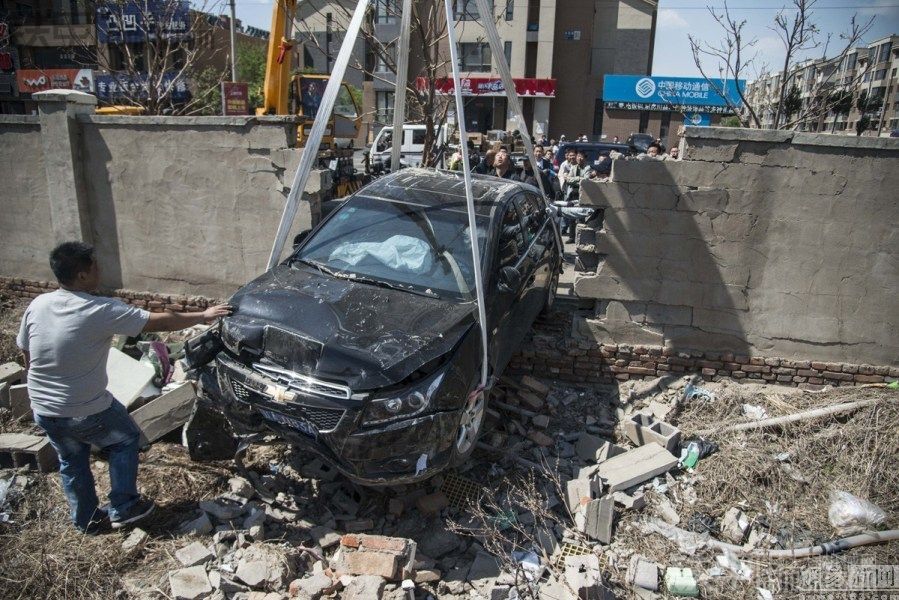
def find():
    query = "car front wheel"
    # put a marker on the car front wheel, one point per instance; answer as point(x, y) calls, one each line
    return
point(471, 424)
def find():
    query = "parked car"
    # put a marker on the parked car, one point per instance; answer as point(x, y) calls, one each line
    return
point(639, 142)
point(364, 344)
point(592, 150)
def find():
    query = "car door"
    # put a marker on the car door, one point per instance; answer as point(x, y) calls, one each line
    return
point(507, 330)
point(536, 263)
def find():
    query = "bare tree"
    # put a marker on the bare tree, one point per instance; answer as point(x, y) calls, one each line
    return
point(799, 34)
point(148, 50)
point(430, 54)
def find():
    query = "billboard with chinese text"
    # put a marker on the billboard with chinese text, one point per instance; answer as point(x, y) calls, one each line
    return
point(693, 94)
point(135, 21)
point(493, 86)
point(30, 81)
point(118, 86)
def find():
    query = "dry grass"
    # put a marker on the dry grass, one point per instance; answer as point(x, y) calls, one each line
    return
point(10, 317)
point(42, 556)
point(858, 453)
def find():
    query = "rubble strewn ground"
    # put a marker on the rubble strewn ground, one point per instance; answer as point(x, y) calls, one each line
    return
point(526, 517)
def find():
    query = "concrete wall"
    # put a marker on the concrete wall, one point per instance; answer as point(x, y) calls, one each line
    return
point(174, 205)
point(24, 207)
point(759, 243)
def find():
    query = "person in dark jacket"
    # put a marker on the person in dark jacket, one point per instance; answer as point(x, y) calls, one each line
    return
point(485, 167)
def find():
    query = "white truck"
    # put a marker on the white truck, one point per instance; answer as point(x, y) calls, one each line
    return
point(412, 146)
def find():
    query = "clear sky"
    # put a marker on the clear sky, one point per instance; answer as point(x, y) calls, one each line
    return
point(677, 18)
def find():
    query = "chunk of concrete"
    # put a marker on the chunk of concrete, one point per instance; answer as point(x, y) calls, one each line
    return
point(636, 466)
point(484, 568)
point(190, 584)
point(579, 491)
point(4, 394)
point(127, 378)
point(23, 450)
point(19, 402)
point(366, 587)
point(166, 413)
point(194, 554)
point(641, 428)
point(531, 400)
point(734, 525)
point(631, 502)
point(536, 386)
point(643, 573)
point(311, 588)
point(583, 576)
point(592, 448)
point(199, 525)
point(135, 540)
point(12, 373)
point(600, 516)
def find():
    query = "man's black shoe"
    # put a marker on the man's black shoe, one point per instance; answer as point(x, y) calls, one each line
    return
point(140, 509)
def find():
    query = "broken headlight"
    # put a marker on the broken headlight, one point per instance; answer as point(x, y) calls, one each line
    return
point(403, 404)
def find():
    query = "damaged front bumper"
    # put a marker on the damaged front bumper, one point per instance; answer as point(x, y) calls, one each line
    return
point(402, 451)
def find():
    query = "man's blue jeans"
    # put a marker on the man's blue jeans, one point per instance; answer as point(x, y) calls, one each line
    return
point(112, 431)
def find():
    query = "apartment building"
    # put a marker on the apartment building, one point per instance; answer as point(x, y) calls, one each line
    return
point(558, 52)
point(870, 70)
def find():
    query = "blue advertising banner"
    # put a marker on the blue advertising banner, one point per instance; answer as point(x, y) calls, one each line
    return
point(112, 87)
point(688, 94)
point(698, 119)
point(138, 21)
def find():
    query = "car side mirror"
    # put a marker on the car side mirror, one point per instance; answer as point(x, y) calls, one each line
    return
point(298, 238)
point(509, 280)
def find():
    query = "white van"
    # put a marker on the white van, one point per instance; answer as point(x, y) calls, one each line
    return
point(413, 144)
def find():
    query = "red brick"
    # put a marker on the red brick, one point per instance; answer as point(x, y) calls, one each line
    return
point(709, 372)
point(756, 369)
point(819, 365)
point(732, 366)
point(383, 564)
point(757, 361)
point(865, 370)
point(384, 543)
point(807, 372)
point(738, 374)
point(350, 540)
point(641, 371)
point(837, 376)
point(798, 379)
point(772, 362)
point(869, 378)
point(815, 380)
point(783, 371)
point(850, 369)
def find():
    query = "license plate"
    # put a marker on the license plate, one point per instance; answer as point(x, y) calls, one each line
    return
point(300, 425)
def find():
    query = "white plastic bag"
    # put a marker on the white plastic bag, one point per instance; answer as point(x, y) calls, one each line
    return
point(848, 512)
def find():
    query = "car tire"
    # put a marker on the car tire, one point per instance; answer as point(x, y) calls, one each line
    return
point(551, 294)
point(471, 425)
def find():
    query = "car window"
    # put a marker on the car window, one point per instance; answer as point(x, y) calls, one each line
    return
point(418, 136)
point(532, 215)
point(511, 238)
point(423, 248)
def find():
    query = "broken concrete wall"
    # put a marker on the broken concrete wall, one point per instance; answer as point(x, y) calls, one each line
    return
point(189, 204)
point(759, 243)
point(174, 205)
point(24, 206)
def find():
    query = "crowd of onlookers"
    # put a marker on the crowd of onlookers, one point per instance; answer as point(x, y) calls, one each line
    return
point(560, 182)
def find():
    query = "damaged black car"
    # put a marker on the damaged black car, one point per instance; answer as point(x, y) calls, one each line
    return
point(364, 344)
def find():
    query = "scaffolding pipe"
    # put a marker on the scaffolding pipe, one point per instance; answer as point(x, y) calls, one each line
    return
point(319, 125)
point(469, 196)
point(399, 94)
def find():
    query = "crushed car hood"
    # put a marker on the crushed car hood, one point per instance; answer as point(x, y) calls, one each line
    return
point(359, 334)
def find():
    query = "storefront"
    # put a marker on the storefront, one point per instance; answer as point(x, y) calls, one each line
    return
point(486, 103)
point(659, 105)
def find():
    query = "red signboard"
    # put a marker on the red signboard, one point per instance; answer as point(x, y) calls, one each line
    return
point(38, 80)
point(493, 86)
point(235, 99)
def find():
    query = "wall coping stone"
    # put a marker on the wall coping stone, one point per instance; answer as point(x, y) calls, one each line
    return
point(795, 137)
point(20, 120)
point(70, 96)
point(207, 121)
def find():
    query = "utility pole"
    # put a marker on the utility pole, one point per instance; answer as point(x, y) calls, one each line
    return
point(233, 47)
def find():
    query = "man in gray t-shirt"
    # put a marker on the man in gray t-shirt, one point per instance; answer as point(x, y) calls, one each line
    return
point(66, 336)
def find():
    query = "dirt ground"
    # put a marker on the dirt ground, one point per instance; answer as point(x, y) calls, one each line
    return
point(780, 478)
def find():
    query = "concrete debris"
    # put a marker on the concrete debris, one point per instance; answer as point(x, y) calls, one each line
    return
point(734, 525)
point(632, 502)
point(484, 568)
point(666, 510)
point(643, 573)
point(265, 566)
point(531, 401)
point(600, 516)
point(540, 438)
point(432, 504)
point(22, 450)
point(366, 587)
point(312, 588)
point(374, 555)
point(221, 509)
point(636, 466)
point(135, 540)
point(581, 491)
point(199, 525)
point(583, 576)
point(194, 554)
point(541, 421)
point(128, 379)
point(166, 413)
point(641, 429)
point(189, 584)
point(19, 403)
point(241, 487)
point(535, 386)
point(325, 537)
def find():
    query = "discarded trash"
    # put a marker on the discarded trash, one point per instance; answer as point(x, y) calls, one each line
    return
point(680, 582)
point(687, 542)
point(848, 512)
point(702, 523)
point(756, 413)
point(529, 562)
point(156, 354)
point(692, 451)
point(735, 565)
point(764, 594)
point(694, 392)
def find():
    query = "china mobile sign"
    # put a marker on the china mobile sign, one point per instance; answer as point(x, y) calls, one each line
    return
point(38, 80)
point(638, 92)
point(492, 86)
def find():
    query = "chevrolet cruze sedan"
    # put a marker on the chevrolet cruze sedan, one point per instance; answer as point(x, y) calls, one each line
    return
point(364, 344)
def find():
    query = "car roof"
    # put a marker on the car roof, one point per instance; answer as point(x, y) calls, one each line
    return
point(433, 187)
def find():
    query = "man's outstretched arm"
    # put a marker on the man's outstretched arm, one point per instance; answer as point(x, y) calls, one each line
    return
point(173, 321)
